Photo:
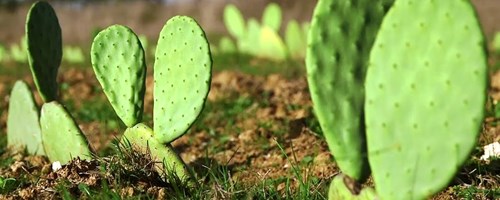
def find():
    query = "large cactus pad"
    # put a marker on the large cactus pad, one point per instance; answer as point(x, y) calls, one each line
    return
point(61, 137)
point(44, 48)
point(339, 41)
point(425, 96)
point(182, 73)
point(23, 126)
point(118, 62)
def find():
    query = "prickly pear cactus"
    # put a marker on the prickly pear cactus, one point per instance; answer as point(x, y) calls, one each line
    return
point(271, 17)
point(61, 137)
point(425, 96)
point(341, 189)
point(44, 48)
point(271, 45)
point(182, 73)
point(295, 39)
point(234, 21)
point(339, 42)
point(23, 127)
point(118, 62)
point(141, 139)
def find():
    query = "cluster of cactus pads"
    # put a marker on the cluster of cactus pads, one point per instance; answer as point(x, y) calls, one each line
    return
point(182, 75)
point(53, 132)
point(263, 39)
point(400, 84)
point(183, 69)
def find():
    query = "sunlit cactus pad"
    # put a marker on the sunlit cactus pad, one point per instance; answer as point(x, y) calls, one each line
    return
point(61, 137)
point(340, 38)
point(44, 48)
point(119, 64)
point(23, 126)
point(182, 75)
point(140, 137)
point(425, 96)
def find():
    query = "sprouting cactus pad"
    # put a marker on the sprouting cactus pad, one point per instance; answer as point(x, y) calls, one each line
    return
point(23, 126)
point(119, 64)
point(44, 48)
point(141, 139)
point(341, 186)
point(61, 137)
point(425, 96)
point(182, 75)
point(340, 38)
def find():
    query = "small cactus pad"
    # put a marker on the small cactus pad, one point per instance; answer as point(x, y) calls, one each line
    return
point(23, 126)
point(141, 138)
point(119, 64)
point(271, 17)
point(271, 45)
point(425, 96)
point(44, 48)
point(339, 190)
point(234, 21)
point(61, 137)
point(182, 75)
point(340, 38)
point(295, 40)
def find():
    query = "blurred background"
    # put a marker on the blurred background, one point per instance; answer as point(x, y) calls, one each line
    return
point(80, 20)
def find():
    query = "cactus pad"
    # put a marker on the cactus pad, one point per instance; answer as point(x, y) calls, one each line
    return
point(340, 38)
point(234, 21)
point(141, 138)
point(119, 64)
point(182, 73)
point(44, 48)
point(61, 137)
point(271, 45)
point(425, 96)
point(23, 126)
point(295, 39)
point(271, 17)
point(340, 191)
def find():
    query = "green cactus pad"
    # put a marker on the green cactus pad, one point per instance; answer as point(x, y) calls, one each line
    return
point(119, 64)
point(271, 17)
point(250, 43)
point(61, 137)
point(295, 40)
point(226, 45)
point(340, 38)
point(340, 191)
point(23, 126)
point(271, 45)
point(182, 73)
point(425, 96)
point(141, 139)
point(44, 48)
point(234, 21)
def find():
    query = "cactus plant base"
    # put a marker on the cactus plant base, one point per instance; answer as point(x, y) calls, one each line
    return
point(140, 138)
point(341, 186)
